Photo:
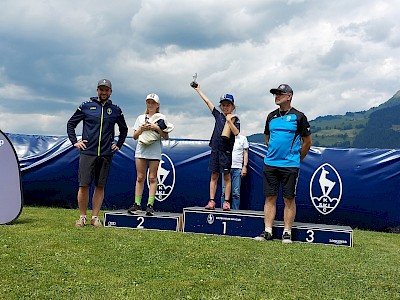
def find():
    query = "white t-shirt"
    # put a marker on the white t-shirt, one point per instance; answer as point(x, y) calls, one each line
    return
point(237, 153)
point(152, 151)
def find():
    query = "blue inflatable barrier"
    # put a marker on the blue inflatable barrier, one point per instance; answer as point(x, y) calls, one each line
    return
point(353, 187)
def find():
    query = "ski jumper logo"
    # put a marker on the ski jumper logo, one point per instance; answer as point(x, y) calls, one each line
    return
point(165, 178)
point(326, 189)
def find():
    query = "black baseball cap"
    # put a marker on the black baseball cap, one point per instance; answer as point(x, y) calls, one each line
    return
point(282, 88)
point(104, 82)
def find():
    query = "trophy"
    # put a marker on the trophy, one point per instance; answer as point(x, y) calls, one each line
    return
point(226, 132)
point(194, 84)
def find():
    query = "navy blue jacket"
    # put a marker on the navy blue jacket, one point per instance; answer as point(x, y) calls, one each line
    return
point(98, 126)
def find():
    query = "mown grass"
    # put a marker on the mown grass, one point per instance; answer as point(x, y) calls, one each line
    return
point(43, 256)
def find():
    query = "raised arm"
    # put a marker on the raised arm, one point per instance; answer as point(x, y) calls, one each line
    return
point(204, 97)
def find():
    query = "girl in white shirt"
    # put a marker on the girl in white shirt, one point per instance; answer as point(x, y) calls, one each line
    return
point(147, 154)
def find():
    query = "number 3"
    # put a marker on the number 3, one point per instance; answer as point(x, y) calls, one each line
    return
point(310, 238)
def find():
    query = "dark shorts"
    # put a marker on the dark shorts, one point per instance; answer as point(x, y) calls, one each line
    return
point(96, 167)
point(220, 161)
point(273, 177)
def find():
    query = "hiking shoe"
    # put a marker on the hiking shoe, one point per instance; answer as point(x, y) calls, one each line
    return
point(80, 222)
point(264, 236)
point(149, 210)
point(133, 209)
point(226, 206)
point(286, 238)
point(210, 205)
point(96, 222)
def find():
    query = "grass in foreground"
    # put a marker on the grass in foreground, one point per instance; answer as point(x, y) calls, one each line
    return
point(43, 256)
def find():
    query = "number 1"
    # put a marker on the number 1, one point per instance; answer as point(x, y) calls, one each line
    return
point(224, 231)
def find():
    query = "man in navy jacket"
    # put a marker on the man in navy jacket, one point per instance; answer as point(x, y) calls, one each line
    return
point(99, 116)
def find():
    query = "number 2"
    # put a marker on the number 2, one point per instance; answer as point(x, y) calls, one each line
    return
point(141, 221)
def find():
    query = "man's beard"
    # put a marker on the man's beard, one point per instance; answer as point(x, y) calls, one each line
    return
point(104, 100)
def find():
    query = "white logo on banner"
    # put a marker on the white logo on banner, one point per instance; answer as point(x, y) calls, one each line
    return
point(210, 219)
point(1, 143)
point(323, 181)
point(165, 178)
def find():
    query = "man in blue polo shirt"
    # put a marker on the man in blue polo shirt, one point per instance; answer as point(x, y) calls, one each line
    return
point(288, 138)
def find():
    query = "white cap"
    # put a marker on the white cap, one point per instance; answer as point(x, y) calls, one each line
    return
point(153, 97)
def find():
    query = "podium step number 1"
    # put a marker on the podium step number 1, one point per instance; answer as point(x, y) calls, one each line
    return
point(245, 223)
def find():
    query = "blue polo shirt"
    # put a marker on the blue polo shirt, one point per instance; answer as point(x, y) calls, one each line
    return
point(285, 134)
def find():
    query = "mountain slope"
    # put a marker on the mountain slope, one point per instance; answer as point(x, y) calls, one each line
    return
point(378, 127)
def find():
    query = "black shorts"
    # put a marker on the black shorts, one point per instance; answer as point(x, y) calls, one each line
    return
point(220, 161)
point(273, 177)
point(96, 167)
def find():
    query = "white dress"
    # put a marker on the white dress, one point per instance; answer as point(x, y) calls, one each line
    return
point(152, 151)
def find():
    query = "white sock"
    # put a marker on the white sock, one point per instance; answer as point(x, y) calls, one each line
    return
point(268, 229)
point(94, 217)
point(287, 230)
point(83, 216)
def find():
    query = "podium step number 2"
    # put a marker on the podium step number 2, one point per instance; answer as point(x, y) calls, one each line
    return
point(160, 221)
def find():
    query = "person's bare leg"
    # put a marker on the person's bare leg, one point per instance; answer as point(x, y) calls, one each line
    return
point(213, 184)
point(269, 211)
point(83, 199)
point(141, 167)
point(289, 213)
point(97, 200)
point(153, 169)
point(228, 186)
point(213, 190)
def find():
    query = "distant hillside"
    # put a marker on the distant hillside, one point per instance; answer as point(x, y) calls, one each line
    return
point(378, 127)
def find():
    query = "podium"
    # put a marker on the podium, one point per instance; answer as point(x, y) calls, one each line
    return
point(240, 223)
point(248, 223)
point(160, 221)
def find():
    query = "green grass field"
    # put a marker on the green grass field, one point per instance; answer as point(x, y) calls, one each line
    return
point(43, 256)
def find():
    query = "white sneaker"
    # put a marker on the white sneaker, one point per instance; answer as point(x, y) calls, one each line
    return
point(80, 222)
point(286, 238)
point(96, 222)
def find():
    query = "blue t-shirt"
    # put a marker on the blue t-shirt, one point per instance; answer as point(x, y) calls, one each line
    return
point(216, 141)
point(285, 134)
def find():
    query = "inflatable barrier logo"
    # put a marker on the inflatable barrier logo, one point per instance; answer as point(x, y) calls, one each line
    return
point(325, 189)
point(165, 178)
point(210, 219)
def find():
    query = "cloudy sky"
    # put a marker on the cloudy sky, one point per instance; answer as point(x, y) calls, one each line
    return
point(338, 56)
